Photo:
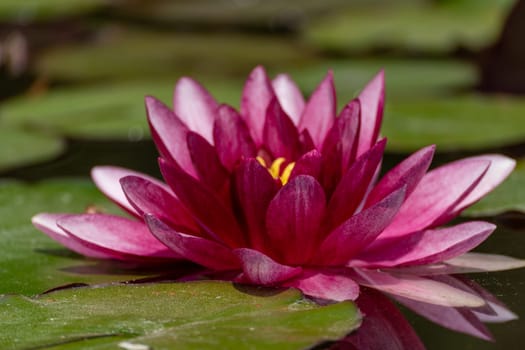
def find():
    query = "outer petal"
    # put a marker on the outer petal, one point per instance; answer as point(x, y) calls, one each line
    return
point(294, 215)
point(319, 113)
point(47, 223)
point(500, 167)
point(417, 288)
point(289, 96)
point(149, 198)
point(280, 136)
point(256, 96)
point(115, 234)
point(326, 284)
point(353, 185)
point(261, 269)
point(255, 188)
point(372, 100)
point(195, 107)
point(384, 326)
point(435, 195)
point(169, 134)
point(232, 137)
point(360, 230)
point(457, 319)
point(206, 207)
point(197, 249)
point(107, 179)
point(409, 172)
point(428, 246)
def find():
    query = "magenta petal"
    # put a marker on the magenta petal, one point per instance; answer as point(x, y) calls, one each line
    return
point(429, 246)
point(383, 328)
point(310, 163)
point(372, 100)
point(232, 137)
point(195, 107)
point(353, 186)
point(294, 215)
point(256, 96)
point(205, 206)
point(326, 284)
point(319, 113)
point(116, 234)
point(280, 135)
point(429, 201)
point(260, 269)
point(107, 179)
point(149, 198)
point(47, 223)
point(360, 230)
point(417, 288)
point(169, 134)
point(409, 172)
point(457, 319)
point(255, 188)
point(500, 167)
point(197, 249)
point(290, 97)
point(206, 162)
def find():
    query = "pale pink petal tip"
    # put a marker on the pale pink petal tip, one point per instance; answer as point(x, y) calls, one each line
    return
point(325, 284)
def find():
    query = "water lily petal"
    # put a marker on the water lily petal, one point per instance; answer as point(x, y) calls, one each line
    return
point(326, 284)
point(107, 179)
point(261, 269)
point(149, 198)
point(384, 326)
point(319, 113)
point(429, 201)
point(457, 319)
point(499, 169)
point(256, 96)
point(197, 249)
point(290, 97)
point(309, 163)
point(294, 215)
point(232, 137)
point(340, 145)
point(255, 188)
point(500, 312)
point(409, 172)
point(353, 186)
point(207, 208)
point(206, 162)
point(428, 246)
point(417, 288)
point(116, 234)
point(47, 223)
point(360, 230)
point(372, 100)
point(194, 105)
point(169, 134)
point(280, 134)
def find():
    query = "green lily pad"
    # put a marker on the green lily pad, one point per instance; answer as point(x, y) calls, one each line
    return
point(111, 111)
point(46, 9)
point(20, 147)
point(507, 197)
point(194, 315)
point(454, 123)
point(407, 78)
point(414, 25)
point(127, 54)
point(31, 262)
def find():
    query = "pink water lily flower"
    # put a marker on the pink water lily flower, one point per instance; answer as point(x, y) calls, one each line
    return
point(287, 193)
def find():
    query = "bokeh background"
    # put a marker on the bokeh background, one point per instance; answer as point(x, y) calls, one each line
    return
point(73, 75)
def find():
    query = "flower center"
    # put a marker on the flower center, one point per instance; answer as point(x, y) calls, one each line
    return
point(275, 168)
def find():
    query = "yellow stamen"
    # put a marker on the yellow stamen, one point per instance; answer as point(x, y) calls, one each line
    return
point(275, 168)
